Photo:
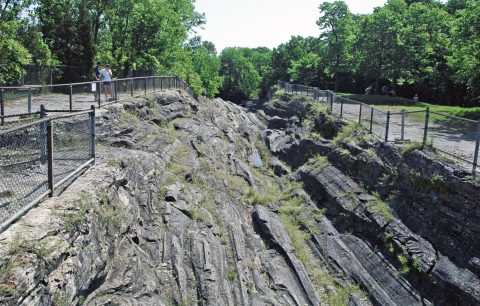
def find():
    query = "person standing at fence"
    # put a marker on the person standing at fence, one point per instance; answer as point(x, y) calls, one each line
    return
point(97, 71)
point(107, 81)
point(96, 86)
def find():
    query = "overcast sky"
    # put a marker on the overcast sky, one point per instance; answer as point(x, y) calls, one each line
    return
point(268, 23)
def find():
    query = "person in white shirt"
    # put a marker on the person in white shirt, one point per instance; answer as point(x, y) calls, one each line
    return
point(106, 76)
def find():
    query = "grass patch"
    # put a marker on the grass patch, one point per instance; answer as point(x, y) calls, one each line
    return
point(112, 218)
point(232, 275)
point(74, 220)
point(347, 134)
point(319, 162)
point(20, 245)
point(412, 146)
point(381, 207)
point(129, 118)
point(316, 109)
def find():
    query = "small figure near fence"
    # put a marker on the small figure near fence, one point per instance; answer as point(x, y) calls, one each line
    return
point(415, 98)
point(107, 81)
point(385, 90)
point(368, 90)
point(391, 92)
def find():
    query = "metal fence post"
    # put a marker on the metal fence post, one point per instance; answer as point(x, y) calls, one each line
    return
point(93, 150)
point(153, 80)
point(341, 108)
point(387, 126)
point(360, 114)
point(50, 155)
point(115, 90)
point(43, 135)
point(2, 107)
point(145, 86)
point(70, 98)
point(131, 87)
point(402, 135)
point(425, 132)
point(29, 100)
point(161, 83)
point(371, 121)
point(99, 92)
point(331, 100)
point(477, 148)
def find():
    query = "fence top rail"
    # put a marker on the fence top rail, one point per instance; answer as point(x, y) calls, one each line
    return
point(27, 87)
point(454, 117)
point(47, 119)
point(409, 112)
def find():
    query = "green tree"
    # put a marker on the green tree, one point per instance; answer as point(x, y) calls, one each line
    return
point(465, 59)
point(241, 79)
point(336, 23)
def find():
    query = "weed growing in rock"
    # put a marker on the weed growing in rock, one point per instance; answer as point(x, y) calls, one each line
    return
point(347, 134)
point(403, 260)
point(232, 275)
point(20, 245)
point(343, 294)
point(129, 118)
point(74, 220)
point(316, 109)
point(112, 216)
point(319, 162)
point(368, 156)
point(314, 136)
point(162, 193)
point(412, 146)
point(381, 207)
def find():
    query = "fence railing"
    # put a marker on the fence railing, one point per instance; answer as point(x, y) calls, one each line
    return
point(24, 102)
point(38, 158)
point(454, 136)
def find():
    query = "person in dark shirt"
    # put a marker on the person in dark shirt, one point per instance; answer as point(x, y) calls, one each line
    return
point(97, 71)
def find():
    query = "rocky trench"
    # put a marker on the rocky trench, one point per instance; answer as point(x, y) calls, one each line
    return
point(401, 223)
point(175, 213)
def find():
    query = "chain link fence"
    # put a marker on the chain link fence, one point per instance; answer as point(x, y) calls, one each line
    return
point(23, 103)
point(38, 158)
point(454, 136)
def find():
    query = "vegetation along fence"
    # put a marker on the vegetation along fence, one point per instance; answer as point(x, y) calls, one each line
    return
point(24, 102)
point(454, 136)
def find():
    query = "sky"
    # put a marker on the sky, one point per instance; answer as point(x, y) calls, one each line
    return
point(265, 23)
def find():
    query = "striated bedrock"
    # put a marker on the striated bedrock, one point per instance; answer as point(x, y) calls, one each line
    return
point(408, 217)
point(161, 219)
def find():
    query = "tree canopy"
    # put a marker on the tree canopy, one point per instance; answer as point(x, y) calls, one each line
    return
point(425, 47)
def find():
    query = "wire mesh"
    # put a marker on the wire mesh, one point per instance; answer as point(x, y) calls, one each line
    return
point(72, 145)
point(23, 168)
point(365, 116)
point(452, 135)
point(24, 158)
point(379, 123)
point(85, 95)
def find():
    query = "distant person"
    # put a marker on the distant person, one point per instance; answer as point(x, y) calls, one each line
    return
point(385, 90)
point(97, 71)
point(392, 93)
point(415, 98)
point(96, 76)
point(368, 90)
point(107, 81)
